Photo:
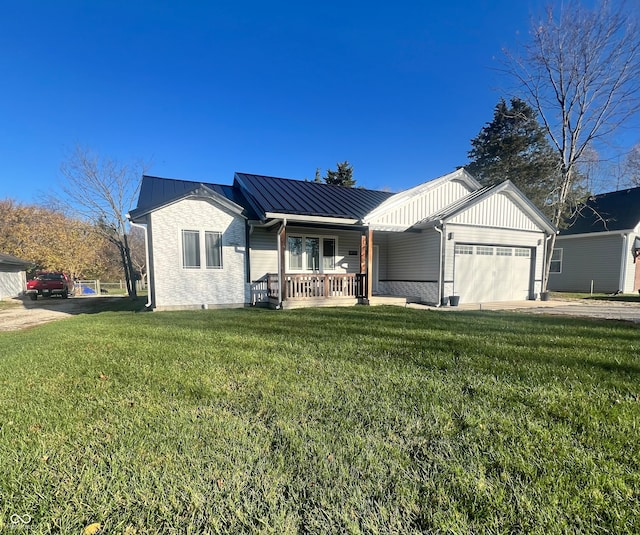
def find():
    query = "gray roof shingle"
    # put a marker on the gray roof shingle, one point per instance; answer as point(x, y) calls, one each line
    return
point(607, 212)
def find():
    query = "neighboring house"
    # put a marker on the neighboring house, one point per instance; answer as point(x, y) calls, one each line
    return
point(598, 250)
point(13, 277)
point(293, 243)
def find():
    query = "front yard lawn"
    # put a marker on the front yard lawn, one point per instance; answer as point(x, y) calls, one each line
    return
point(352, 420)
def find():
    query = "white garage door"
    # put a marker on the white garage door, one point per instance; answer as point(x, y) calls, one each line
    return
point(491, 273)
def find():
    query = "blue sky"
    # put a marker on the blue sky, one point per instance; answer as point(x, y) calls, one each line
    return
point(206, 88)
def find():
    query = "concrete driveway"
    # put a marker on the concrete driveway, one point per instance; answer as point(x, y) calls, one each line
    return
point(601, 309)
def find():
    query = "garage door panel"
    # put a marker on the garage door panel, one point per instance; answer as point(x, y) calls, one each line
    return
point(503, 275)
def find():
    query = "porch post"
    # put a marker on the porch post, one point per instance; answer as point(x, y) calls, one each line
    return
point(363, 258)
point(282, 244)
point(369, 263)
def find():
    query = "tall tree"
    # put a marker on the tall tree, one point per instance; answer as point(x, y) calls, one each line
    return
point(514, 146)
point(49, 239)
point(342, 176)
point(102, 190)
point(579, 71)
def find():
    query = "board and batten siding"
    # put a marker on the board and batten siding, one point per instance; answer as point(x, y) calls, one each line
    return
point(176, 287)
point(421, 206)
point(591, 258)
point(497, 211)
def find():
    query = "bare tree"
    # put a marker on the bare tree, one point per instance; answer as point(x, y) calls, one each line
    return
point(579, 71)
point(102, 190)
point(632, 165)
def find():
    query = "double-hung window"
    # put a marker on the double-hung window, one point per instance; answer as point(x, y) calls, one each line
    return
point(556, 261)
point(192, 248)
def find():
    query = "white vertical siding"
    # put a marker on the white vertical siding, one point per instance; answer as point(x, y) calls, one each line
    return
point(592, 258)
point(176, 287)
point(630, 275)
point(496, 211)
point(422, 205)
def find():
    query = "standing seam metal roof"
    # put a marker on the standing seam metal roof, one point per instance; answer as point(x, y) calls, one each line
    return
point(296, 197)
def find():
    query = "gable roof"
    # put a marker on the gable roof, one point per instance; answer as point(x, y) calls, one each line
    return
point(156, 192)
point(394, 201)
point(271, 196)
point(480, 195)
point(607, 212)
point(10, 260)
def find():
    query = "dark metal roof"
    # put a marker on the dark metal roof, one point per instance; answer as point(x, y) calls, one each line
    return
point(8, 259)
point(297, 197)
point(608, 212)
point(157, 191)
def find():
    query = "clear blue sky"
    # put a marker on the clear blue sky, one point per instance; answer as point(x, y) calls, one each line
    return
point(207, 88)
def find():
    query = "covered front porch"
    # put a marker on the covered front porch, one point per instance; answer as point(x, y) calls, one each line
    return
point(299, 290)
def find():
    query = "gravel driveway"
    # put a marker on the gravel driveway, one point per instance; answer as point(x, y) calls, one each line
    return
point(23, 313)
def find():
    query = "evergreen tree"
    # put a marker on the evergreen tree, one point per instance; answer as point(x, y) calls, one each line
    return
point(342, 176)
point(514, 146)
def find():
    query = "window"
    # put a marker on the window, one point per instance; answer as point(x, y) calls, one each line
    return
point(328, 253)
point(485, 251)
point(295, 252)
point(556, 261)
point(311, 253)
point(463, 249)
point(213, 249)
point(312, 250)
point(523, 252)
point(191, 249)
point(504, 251)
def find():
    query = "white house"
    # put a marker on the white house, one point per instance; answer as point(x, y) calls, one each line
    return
point(294, 243)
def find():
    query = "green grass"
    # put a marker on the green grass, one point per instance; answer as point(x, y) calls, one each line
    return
point(354, 420)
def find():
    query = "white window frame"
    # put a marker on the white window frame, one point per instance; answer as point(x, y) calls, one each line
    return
point(183, 242)
point(320, 238)
point(201, 251)
point(557, 261)
point(219, 246)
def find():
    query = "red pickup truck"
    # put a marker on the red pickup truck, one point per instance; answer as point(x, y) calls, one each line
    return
point(48, 284)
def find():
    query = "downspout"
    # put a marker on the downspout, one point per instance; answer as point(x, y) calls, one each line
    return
point(623, 271)
point(544, 263)
point(146, 253)
point(440, 230)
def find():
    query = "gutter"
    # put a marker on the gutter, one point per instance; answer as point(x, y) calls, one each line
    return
point(283, 225)
point(146, 252)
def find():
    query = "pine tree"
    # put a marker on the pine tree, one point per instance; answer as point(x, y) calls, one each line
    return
point(342, 176)
point(513, 146)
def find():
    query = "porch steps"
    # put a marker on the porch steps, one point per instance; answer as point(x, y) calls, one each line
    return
point(388, 300)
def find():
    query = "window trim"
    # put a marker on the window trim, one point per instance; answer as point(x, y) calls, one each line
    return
point(183, 241)
point(304, 268)
point(558, 261)
point(201, 249)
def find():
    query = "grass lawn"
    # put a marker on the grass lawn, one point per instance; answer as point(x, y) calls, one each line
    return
point(354, 420)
